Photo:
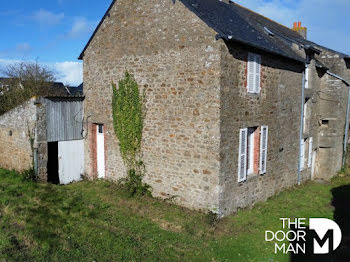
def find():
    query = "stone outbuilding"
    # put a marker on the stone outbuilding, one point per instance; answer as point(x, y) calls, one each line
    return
point(239, 107)
point(45, 134)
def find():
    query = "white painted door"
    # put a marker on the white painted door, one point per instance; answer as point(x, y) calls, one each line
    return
point(70, 161)
point(100, 141)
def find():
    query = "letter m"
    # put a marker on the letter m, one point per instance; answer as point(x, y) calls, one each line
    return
point(319, 243)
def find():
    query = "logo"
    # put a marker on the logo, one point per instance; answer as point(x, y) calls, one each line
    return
point(321, 237)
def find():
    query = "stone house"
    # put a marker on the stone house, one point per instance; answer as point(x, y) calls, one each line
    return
point(239, 107)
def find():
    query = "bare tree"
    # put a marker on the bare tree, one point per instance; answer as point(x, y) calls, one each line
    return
point(23, 81)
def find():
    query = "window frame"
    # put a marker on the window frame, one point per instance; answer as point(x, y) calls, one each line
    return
point(246, 154)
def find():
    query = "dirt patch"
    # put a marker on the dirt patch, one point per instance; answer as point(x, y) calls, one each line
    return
point(166, 225)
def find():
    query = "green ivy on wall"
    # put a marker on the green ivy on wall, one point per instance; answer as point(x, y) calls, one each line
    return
point(128, 117)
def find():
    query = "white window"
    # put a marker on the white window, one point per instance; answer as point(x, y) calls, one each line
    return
point(254, 70)
point(309, 163)
point(306, 76)
point(251, 149)
point(263, 148)
point(302, 152)
point(306, 115)
point(250, 152)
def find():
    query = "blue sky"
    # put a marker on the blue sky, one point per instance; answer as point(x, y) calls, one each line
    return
point(55, 32)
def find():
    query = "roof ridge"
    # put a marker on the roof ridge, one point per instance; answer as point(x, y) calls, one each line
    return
point(250, 10)
point(267, 18)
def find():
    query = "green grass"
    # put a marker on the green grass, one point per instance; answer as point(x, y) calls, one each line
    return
point(95, 221)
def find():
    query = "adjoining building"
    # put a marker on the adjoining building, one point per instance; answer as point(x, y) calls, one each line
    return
point(45, 133)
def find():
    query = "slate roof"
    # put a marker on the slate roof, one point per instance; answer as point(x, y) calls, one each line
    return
point(76, 90)
point(233, 22)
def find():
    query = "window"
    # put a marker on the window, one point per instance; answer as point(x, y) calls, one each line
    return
point(302, 154)
point(251, 149)
point(307, 114)
point(309, 162)
point(252, 155)
point(306, 76)
point(253, 73)
point(325, 123)
point(100, 129)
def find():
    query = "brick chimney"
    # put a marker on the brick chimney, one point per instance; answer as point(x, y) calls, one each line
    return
point(300, 29)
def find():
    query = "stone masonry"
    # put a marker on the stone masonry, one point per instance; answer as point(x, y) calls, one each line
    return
point(17, 127)
point(197, 102)
point(179, 68)
point(277, 106)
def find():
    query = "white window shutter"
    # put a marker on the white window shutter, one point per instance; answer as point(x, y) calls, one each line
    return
point(242, 155)
point(251, 73)
point(309, 162)
point(302, 158)
point(263, 148)
point(257, 73)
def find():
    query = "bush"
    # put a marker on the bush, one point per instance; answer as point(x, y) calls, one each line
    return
point(133, 184)
point(29, 175)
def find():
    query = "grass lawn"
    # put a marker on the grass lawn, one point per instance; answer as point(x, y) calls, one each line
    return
point(95, 221)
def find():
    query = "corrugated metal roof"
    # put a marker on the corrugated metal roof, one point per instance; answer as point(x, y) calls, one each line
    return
point(67, 96)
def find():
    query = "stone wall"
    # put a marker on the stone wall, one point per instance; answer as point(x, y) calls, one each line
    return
point(179, 69)
point(332, 104)
point(40, 145)
point(331, 95)
point(17, 127)
point(278, 106)
point(196, 101)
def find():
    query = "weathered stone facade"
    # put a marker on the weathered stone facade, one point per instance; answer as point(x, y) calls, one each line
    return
point(277, 106)
point(197, 102)
point(17, 128)
point(331, 97)
point(181, 78)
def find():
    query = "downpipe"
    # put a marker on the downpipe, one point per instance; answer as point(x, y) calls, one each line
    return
point(346, 133)
point(301, 131)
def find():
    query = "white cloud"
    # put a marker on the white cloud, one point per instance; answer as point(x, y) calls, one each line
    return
point(326, 20)
point(19, 50)
point(47, 18)
point(70, 73)
point(6, 62)
point(81, 27)
point(24, 48)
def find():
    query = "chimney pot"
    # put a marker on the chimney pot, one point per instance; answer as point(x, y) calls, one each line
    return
point(301, 30)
